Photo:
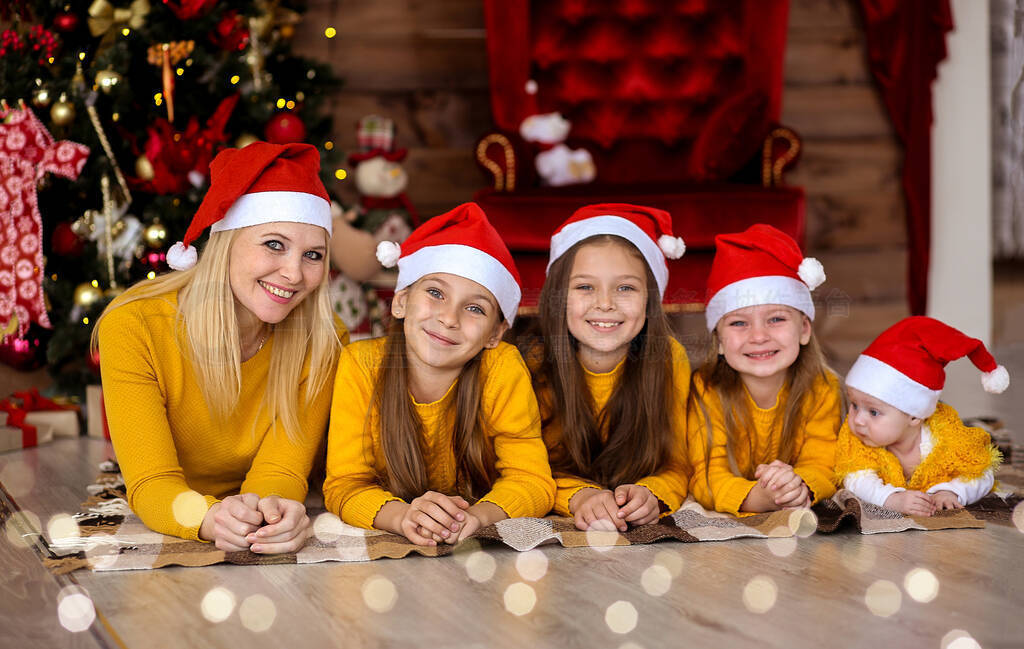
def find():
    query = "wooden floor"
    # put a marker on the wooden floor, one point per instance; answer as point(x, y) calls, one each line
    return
point(838, 590)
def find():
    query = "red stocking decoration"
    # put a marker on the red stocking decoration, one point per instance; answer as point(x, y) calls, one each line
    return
point(27, 151)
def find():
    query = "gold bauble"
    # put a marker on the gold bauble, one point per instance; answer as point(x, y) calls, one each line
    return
point(86, 295)
point(41, 97)
point(286, 31)
point(63, 112)
point(107, 79)
point(144, 168)
point(155, 235)
point(245, 139)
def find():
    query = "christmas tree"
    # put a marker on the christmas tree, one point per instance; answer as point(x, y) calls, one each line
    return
point(154, 89)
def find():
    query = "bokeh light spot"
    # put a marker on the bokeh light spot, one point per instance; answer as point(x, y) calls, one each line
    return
point(62, 526)
point(217, 604)
point(22, 527)
point(671, 561)
point(532, 565)
point(520, 598)
point(656, 580)
point(465, 549)
point(602, 535)
point(480, 566)
point(959, 639)
point(379, 594)
point(330, 32)
point(257, 613)
point(340, 174)
point(189, 508)
point(1018, 515)
point(759, 594)
point(75, 609)
point(18, 478)
point(803, 522)
point(621, 617)
point(781, 543)
point(327, 527)
point(922, 585)
point(883, 598)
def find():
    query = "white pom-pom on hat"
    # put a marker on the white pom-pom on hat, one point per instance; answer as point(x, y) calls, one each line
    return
point(811, 272)
point(996, 381)
point(673, 247)
point(181, 258)
point(388, 253)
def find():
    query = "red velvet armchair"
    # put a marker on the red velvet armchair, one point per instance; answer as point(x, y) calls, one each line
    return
point(678, 103)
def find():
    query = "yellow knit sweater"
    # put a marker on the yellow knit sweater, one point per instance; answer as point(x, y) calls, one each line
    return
point(167, 441)
point(714, 485)
point(668, 485)
point(958, 452)
point(355, 460)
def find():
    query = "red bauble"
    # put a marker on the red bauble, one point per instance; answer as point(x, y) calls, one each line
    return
point(65, 242)
point(285, 127)
point(23, 354)
point(66, 22)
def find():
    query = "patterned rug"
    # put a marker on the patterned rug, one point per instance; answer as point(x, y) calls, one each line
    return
point(110, 537)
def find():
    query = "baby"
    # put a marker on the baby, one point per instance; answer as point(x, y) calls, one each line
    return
point(901, 449)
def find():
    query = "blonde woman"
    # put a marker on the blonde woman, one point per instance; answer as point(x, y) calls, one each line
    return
point(217, 378)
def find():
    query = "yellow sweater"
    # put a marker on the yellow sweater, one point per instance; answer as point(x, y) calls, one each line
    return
point(714, 485)
point(670, 484)
point(958, 452)
point(166, 440)
point(355, 460)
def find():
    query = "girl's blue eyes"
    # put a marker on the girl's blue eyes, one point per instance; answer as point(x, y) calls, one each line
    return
point(588, 287)
point(277, 246)
point(436, 293)
point(433, 292)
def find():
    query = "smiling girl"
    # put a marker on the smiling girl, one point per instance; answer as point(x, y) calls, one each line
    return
point(764, 409)
point(217, 378)
point(434, 428)
point(611, 380)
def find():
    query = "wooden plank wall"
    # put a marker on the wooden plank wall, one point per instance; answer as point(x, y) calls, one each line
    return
point(423, 63)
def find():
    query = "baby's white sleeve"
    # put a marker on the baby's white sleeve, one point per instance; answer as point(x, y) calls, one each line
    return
point(968, 491)
point(866, 485)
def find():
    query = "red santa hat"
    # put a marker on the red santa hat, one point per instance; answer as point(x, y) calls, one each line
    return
point(261, 183)
point(647, 228)
point(904, 366)
point(460, 242)
point(761, 265)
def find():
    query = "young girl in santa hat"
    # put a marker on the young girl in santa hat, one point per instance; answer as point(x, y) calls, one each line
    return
point(900, 448)
point(434, 428)
point(764, 409)
point(611, 380)
point(217, 378)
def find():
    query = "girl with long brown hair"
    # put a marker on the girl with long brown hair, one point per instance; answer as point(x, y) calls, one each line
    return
point(764, 410)
point(610, 378)
point(434, 428)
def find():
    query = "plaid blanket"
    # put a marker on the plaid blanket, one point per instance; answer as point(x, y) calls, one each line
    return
point(110, 537)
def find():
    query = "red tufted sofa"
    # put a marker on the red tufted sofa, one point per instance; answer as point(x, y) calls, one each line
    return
point(678, 103)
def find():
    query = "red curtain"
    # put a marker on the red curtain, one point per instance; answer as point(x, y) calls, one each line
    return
point(906, 41)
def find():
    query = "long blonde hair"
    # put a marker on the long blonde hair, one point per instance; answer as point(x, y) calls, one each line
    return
point(636, 417)
point(721, 380)
point(206, 332)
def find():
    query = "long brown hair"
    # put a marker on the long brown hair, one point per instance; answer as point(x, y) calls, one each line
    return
point(636, 416)
point(721, 381)
point(401, 431)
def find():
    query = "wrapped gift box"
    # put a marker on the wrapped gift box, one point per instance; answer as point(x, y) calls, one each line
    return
point(13, 438)
point(96, 416)
point(62, 423)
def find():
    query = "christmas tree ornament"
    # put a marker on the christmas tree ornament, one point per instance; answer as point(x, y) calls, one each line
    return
point(285, 127)
point(65, 241)
point(144, 168)
point(244, 140)
point(155, 234)
point(106, 80)
point(94, 117)
point(190, 9)
point(87, 294)
point(41, 96)
point(66, 21)
point(165, 55)
point(107, 21)
point(230, 33)
point(30, 152)
point(63, 111)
